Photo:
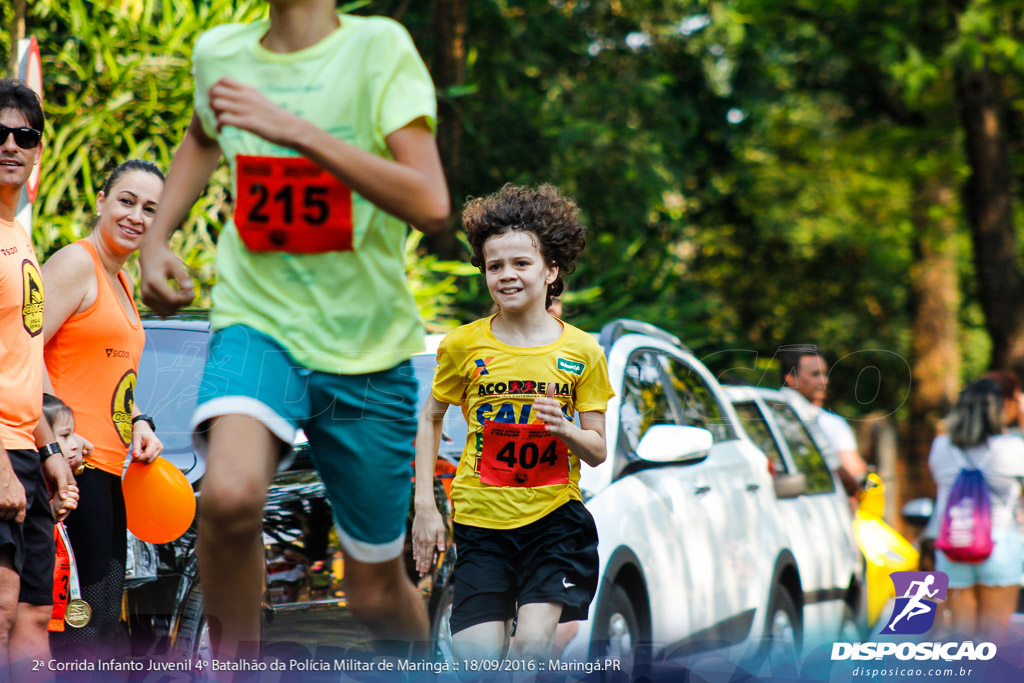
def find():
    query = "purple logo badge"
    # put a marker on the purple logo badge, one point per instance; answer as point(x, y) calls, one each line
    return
point(916, 593)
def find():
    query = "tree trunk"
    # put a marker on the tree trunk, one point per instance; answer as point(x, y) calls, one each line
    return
point(450, 24)
point(16, 30)
point(988, 201)
point(935, 302)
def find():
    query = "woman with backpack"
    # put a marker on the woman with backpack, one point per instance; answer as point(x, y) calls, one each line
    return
point(977, 469)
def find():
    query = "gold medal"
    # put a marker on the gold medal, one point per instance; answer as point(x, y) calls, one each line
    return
point(78, 613)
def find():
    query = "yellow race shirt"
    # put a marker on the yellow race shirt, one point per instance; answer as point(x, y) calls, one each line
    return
point(345, 311)
point(512, 474)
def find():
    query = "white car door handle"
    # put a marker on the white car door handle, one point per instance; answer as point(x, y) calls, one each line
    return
point(700, 490)
point(753, 487)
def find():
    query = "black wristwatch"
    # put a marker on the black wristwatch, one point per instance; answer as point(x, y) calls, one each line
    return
point(48, 450)
point(144, 418)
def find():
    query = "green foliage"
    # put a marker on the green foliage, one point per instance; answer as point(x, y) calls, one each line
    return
point(117, 86)
point(746, 167)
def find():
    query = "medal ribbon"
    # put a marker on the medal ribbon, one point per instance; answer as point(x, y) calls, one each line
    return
point(74, 590)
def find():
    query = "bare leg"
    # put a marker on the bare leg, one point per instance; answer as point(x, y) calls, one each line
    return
point(488, 640)
point(240, 464)
point(383, 599)
point(963, 604)
point(563, 634)
point(535, 631)
point(10, 584)
point(996, 604)
point(30, 640)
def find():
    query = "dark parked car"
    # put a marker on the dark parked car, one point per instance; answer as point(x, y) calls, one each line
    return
point(304, 597)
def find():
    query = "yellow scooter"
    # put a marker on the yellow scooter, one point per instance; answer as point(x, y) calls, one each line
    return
point(884, 549)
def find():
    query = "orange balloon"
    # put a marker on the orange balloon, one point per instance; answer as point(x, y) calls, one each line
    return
point(158, 500)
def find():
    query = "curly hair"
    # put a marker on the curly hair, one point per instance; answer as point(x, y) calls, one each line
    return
point(551, 218)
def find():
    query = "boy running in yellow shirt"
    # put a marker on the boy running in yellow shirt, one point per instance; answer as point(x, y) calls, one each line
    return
point(526, 545)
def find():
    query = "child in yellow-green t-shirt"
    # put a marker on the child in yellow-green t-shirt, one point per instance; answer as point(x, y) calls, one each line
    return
point(527, 546)
point(326, 120)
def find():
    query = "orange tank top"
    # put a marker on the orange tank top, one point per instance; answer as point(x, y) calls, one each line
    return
point(93, 360)
point(21, 338)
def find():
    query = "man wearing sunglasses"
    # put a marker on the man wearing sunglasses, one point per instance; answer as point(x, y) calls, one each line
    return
point(26, 524)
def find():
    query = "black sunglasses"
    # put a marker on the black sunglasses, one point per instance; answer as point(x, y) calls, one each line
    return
point(26, 138)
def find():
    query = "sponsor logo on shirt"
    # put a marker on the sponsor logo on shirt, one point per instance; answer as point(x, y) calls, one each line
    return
point(521, 387)
point(573, 366)
point(481, 366)
point(121, 406)
point(32, 302)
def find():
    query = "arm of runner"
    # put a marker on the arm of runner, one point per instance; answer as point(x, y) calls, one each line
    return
point(61, 509)
point(428, 530)
point(853, 464)
point(146, 446)
point(412, 187)
point(12, 493)
point(586, 442)
point(55, 469)
point(194, 162)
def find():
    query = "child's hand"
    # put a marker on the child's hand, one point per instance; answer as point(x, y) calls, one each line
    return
point(549, 411)
point(76, 458)
point(62, 507)
point(428, 533)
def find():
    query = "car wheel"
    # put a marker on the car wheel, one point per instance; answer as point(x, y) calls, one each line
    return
point(783, 634)
point(617, 630)
point(193, 638)
point(440, 628)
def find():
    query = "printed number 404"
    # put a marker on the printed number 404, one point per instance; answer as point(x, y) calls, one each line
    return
point(529, 455)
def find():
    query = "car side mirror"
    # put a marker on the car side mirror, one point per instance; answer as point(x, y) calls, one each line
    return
point(918, 511)
point(674, 443)
point(790, 485)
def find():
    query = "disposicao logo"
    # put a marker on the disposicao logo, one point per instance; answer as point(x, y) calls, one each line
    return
point(913, 614)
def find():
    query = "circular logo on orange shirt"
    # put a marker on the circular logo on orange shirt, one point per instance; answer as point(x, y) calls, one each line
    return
point(32, 298)
point(121, 406)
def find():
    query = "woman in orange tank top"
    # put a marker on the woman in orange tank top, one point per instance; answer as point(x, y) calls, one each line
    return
point(94, 339)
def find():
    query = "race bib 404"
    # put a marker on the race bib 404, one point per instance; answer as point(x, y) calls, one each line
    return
point(291, 204)
point(522, 455)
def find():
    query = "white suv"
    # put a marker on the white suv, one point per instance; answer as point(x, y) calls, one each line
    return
point(695, 549)
point(820, 523)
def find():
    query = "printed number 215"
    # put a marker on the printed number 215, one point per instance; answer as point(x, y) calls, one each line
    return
point(313, 201)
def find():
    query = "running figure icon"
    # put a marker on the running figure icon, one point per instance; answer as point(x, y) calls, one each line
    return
point(918, 592)
point(914, 606)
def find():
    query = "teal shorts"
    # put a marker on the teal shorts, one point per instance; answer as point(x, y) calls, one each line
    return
point(360, 430)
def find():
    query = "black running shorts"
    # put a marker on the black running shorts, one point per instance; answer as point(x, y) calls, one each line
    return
point(551, 560)
point(32, 540)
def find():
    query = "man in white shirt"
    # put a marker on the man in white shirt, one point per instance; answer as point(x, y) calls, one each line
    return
point(805, 371)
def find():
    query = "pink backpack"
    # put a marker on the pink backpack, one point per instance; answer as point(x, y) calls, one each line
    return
point(966, 534)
